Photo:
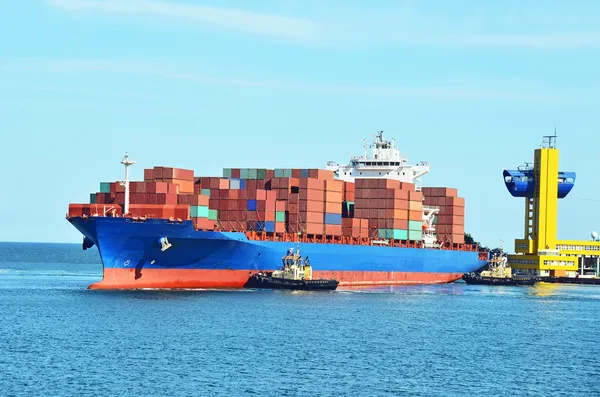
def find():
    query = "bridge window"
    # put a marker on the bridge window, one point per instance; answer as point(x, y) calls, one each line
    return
point(508, 179)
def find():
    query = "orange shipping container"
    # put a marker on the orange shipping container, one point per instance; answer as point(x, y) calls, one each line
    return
point(460, 211)
point(311, 183)
point(312, 206)
point(313, 217)
point(349, 196)
point(321, 174)
point(333, 197)
point(415, 206)
point(415, 196)
point(280, 205)
point(334, 186)
point(415, 216)
point(333, 208)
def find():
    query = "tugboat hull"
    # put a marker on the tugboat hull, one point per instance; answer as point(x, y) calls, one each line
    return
point(482, 280)
point(268, 282)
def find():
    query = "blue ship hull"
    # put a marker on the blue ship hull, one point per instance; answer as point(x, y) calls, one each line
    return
point(132, 257)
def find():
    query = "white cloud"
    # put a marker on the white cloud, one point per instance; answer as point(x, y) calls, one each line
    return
point(352, 26)
point(513, 90)
point(280, 26)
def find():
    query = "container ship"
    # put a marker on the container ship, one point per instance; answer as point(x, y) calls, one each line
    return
point(367, 223)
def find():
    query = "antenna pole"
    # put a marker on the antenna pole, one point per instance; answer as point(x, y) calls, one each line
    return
point(127, 163)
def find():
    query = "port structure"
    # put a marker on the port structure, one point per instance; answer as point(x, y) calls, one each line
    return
point(539, 252)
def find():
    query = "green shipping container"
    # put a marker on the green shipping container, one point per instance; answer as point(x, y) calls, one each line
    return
point(104, 187)
point(244, 173)
point(227, 173)
point(383, 233)
point(213, 215)
point(198, 211)
point(399, 234)
point(415, 225)
point(435, 219)
point(278, 173)
point(252, 173)
point(415, 235)
point(280, 216)
point(261, 174)
point(92, 198)
point(287, 173)
point(205, 192)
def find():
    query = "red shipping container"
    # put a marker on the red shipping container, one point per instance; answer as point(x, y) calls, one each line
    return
point(213, 203)
point(315, 228)
point(381, 223)
point(242, 205)
point(233, 194)
point(372, 214)
point(148, 175)
point(236, 173)
point(296, 172)
point(270, 173)
point(293, 218)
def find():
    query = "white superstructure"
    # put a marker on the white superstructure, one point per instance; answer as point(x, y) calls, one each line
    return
point(385, 162)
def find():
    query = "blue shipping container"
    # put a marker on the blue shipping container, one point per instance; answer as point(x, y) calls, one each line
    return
point(270, 227)
point(333, 219)
point(251, 205)
point(304, 173)
point(242, 183)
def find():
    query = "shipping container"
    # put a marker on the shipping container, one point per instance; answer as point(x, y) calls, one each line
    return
point(415, 225)
point(199, 211)
point(415, 235)
point(280, 216)
point(332, 219)
point(104, 187)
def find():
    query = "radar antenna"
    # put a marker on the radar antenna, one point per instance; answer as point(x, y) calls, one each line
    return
point(550, 140)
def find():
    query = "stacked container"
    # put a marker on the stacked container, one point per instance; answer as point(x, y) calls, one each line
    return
point(450, 221)
point(310, 201)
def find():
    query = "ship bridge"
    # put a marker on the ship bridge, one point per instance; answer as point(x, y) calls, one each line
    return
point(384, 162)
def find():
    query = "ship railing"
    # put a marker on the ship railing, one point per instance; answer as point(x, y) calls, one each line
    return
point(431, 208)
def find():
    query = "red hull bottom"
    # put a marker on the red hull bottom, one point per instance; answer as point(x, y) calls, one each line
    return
point(122, 279)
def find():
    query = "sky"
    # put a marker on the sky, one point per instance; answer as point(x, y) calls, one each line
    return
point(469, 86)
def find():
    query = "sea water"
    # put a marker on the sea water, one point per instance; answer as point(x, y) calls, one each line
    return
point(59, 339)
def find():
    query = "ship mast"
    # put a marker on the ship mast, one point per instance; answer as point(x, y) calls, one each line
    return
point(127, 163)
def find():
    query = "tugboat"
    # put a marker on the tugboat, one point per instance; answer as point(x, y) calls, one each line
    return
point(498, 273)
point(295, 274)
